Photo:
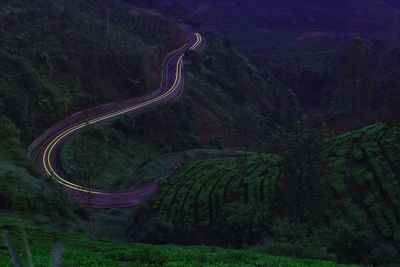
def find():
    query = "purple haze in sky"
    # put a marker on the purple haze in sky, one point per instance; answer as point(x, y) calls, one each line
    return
point(338, 15)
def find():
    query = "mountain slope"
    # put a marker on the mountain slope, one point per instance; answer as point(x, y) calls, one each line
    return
point(217, 82)
point(223, 201)
point(57, 58)
point(61, 57)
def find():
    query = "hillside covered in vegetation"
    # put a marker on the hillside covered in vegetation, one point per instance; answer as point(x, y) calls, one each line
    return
point(250, 166)
point(58, 57)
point(211, 202)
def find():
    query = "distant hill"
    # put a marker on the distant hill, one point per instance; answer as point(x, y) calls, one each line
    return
point(301, 43)
point(342, 15)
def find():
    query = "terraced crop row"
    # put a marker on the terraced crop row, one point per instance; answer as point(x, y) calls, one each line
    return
point(367, 165)
point(200, 193)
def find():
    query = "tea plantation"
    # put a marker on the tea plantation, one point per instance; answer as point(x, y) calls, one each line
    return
point(368, 179)
point(235, 201)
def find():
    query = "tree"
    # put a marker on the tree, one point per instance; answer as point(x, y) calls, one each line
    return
point(105, 5)
point(393, 100)
point(302, 190)
point(249, 128)
point(357, 79)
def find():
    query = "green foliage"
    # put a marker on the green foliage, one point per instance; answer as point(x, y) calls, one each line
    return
point(373, 174)
point(24, 195)
point(358, 79)
point(169, 126)
point(56, 58)
point(123, 160)
point(304, 173)
point(86, 163)
point(187, 123)
point(392, 99)
point(11, 148)
point(344, 213)
point(78, 253)
point(208, 200)
point(249, 126)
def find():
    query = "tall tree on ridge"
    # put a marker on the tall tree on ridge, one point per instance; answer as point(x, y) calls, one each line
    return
point(301, 193)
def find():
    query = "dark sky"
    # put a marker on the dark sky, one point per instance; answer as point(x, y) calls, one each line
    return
point(366, 16)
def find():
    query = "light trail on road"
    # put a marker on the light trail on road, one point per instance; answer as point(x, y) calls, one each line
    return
point(47, 157)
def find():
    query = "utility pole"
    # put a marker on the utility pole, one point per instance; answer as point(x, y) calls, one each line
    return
point(90, 212)
point(108, 21)
point(89, 186)
point(87, 163)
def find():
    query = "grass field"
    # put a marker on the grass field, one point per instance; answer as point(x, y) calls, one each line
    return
point(78, 253)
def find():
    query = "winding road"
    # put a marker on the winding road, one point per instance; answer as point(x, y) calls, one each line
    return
point(48, 146)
